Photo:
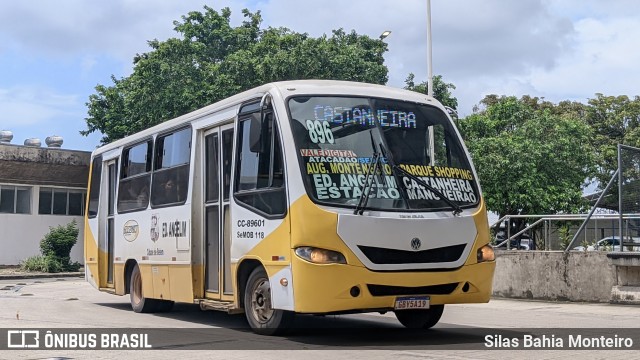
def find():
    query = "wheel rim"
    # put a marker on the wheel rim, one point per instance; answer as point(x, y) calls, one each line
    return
point(136, 292)
point(261, 301)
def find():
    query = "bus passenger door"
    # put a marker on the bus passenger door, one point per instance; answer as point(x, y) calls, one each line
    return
point(217, 181)
point(106, 240)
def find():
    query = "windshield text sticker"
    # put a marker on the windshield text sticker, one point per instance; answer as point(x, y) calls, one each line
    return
point(364, 116)
point(319, 128)
point(337, 177)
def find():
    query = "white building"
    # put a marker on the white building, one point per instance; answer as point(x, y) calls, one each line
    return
point(39, 188)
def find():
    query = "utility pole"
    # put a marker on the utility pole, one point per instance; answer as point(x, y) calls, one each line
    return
point(429, 58)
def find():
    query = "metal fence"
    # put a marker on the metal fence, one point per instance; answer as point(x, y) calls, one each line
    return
point(621, 196)
point(554, 232)
point(615, 215)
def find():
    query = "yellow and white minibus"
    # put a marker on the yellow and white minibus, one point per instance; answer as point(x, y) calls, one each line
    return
point(310, 197)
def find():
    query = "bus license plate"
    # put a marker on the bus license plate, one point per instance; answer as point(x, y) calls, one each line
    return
point(414, 302)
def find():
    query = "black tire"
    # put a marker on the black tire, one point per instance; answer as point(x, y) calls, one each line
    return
point(139, 303)
point(420, 319)
point(262, 318)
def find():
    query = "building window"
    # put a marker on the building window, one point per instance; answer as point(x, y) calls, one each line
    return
point(15, 199)
point(57, 201)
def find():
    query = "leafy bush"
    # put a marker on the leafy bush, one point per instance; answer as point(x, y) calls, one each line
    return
point(564, 234)
point(42, 263)
point(59, 241)
point(56, 249)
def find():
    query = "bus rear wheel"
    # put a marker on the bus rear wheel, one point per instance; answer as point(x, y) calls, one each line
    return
point(420, 319)
point(258, 306)
point(140, 303)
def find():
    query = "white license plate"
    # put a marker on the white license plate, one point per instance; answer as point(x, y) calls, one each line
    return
point(412, 302)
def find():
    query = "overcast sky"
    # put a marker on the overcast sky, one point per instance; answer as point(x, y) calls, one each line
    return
point(53, 53)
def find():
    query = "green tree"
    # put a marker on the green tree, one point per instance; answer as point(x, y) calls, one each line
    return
point(441, 90)
point(211, 60)
point(615, 120)
point(532, 156)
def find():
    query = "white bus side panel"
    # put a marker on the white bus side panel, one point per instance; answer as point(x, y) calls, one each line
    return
point(161, 235)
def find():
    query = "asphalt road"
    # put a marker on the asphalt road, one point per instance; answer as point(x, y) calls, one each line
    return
point(461, 334)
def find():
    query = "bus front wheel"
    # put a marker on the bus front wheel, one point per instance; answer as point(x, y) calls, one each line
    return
point(420, 319)
point(258, 306)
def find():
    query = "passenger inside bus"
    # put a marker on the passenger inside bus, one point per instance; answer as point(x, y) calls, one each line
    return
point(168, 193)
point(142, 198)
point(133, 194)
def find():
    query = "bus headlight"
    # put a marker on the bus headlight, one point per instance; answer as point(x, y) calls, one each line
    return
point(320, 256)
point(486, 253)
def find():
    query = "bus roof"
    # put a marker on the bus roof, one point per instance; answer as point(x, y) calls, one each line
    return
point(286, 89)
point(335, 87)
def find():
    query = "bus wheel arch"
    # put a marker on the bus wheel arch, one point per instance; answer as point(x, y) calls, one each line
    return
point(128, 270)
point(244, 270)
point(256, 298)
point(133, 287)
point(139, 303)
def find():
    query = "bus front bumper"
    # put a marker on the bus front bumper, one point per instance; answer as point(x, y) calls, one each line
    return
point(344, 288)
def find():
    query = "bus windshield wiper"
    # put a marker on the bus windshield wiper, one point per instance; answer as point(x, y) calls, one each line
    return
point(365, 188)
point(394, 167)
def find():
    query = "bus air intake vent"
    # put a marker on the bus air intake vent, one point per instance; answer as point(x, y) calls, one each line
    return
point(392, 256)
point(384, 290)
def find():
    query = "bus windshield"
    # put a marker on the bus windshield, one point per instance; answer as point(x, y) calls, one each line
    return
point(342, 152)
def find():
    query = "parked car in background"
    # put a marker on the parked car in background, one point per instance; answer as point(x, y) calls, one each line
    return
point(522, 242)
point(607, 244)
point(610, 243)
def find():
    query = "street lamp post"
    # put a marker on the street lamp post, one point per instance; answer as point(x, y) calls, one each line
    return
point(382, 37)
point(429, 58)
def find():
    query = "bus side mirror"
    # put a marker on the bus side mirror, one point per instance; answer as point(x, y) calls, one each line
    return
point(259, 129)
point(255, 135)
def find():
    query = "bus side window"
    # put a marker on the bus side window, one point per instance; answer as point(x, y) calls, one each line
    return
point(135, 177)
point(94, 191)
point(444, 155)
point(170, 181)
point(259, 178)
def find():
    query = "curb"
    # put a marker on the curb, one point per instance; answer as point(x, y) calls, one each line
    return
point(41, 276)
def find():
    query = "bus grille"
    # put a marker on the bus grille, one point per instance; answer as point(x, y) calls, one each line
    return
point(392, 256)
point(384, 290)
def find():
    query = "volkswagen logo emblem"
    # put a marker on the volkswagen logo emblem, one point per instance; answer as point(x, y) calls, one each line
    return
point(416, 244)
